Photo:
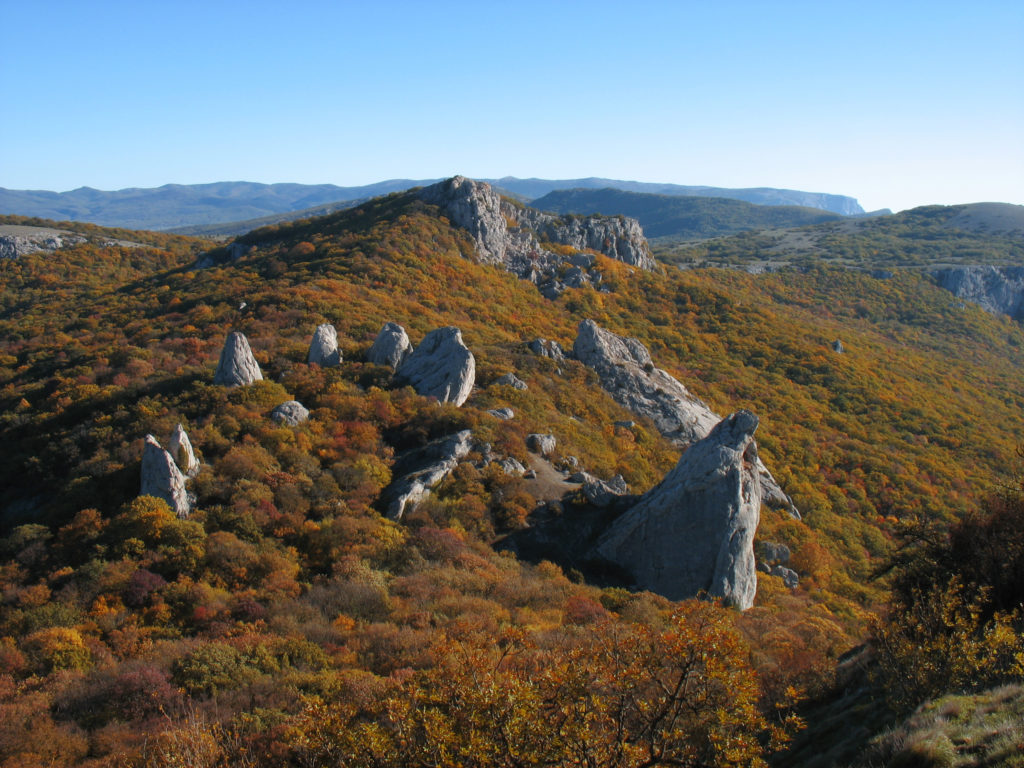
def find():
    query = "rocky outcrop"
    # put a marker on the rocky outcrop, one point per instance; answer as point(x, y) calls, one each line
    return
point(12, 246)
point(999, 290)
point(180, 448)
point(162, 478)
point(505, 414)
point(629, 375)
point(391, 347)
point(837, 347)
point(511, 235)
point(442, 367)
point(421, 470)
point(237, 366)
point(291, 413)
point(323, 349)
point(547, 348)
point(694, 533)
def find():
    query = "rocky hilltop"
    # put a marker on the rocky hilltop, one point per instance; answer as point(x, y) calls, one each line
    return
point(513, 235)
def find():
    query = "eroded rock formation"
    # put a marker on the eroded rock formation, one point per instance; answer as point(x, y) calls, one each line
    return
point(694, 532)
point(511, 235)
point(160, 477)
point(629, 375)
point(391, 347)
point(237, 366)
point(442, 367)
point(421, 470)
point(323, 349)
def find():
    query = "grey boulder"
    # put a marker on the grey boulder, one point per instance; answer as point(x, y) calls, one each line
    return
point(237, 366)
point(391, 347)
point(419, 471)
point(542, 444)
point(511, 380)
point(323, 349)
point(162, 478)
point(292, 413)
point(442, 367)
point(694, 532)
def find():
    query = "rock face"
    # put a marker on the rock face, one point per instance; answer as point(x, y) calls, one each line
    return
point(391, 347)
point(323, 350)
point(423, 469)
point(291, 413)
point(237, 366)
point(180, 448)
point(694, 532)
point(999, 290)
point(511, 235)
point(628, 374)
point(162, 478)
point(442, 367)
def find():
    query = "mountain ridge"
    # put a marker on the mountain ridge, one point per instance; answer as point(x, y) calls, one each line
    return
point(183, 205)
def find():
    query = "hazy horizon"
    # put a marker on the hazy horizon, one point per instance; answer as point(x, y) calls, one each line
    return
point(896, 106)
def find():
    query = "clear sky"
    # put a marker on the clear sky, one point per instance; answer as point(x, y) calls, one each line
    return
point(895, 103)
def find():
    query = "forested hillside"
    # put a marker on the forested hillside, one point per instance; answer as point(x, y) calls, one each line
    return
point(286, 621)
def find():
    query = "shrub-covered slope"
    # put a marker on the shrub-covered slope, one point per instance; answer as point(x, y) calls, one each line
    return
point(288, 618)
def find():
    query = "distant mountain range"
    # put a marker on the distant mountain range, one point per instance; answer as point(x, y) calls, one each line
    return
point(177, 206)
point(682, 217)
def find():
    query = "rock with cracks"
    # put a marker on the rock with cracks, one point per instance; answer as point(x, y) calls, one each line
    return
point(442, 367)
point(237, 366)
point(629, 375)
point(162, 478)
point(693, 534)
point(323, 349)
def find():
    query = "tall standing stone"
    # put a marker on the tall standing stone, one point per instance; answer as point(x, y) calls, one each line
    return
point(162, 478)
point(694, 532)
point(442, 367)
point(323, 350)
point(237, 366)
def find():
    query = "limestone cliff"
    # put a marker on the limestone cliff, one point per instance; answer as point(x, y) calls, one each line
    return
point(999, 290)
point(694, 532)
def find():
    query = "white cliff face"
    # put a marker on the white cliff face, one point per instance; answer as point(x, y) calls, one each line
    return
point(180, 448)
point(162, 478)
point(237, 366)
point(628, 374)
point(694, 533)
point(442, 367)
point(511, 235)
point(323, 349)
point(391, 347)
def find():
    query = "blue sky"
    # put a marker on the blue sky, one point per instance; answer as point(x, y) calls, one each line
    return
point(898, 103)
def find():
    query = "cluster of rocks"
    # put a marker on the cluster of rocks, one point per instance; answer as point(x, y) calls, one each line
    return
point(164, 473)
point(511, 235)
point(773, 559)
